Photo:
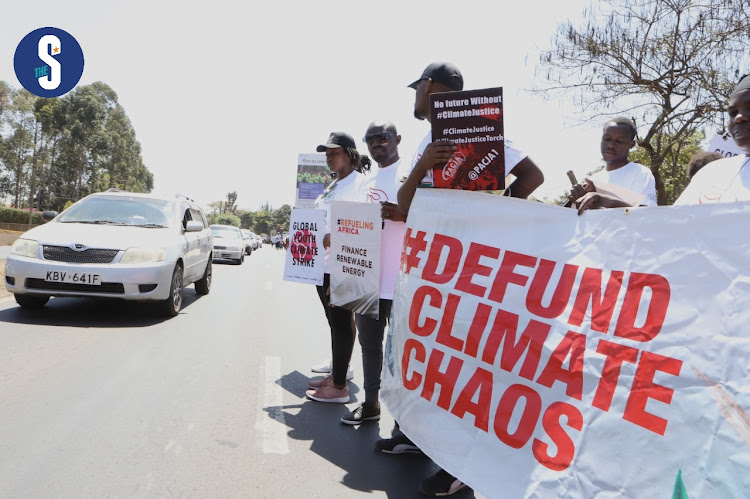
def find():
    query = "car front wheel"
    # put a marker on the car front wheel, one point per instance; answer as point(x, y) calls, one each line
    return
point(203, 285)
point(32, 301)
point(172, 305)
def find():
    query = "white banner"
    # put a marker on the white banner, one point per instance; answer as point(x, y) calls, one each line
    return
point(355, 256)
point(305, 255)
point(537, 353)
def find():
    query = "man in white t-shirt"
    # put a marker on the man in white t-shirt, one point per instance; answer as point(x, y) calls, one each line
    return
point(445, 77)
point(726, 180)
point(381, 186)
point(618, 138)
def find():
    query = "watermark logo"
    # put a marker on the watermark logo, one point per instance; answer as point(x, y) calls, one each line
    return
point(48, 62)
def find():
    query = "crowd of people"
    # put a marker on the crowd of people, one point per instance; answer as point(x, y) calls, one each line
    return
point(393, 183)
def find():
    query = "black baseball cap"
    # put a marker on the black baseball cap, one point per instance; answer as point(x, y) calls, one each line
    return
point(442, 72)
point(338, 139)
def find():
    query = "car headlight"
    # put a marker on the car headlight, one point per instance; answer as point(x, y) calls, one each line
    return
point(25, 247)
point(143, 255)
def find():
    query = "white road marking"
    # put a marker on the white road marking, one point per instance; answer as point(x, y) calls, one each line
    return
point(274, 429)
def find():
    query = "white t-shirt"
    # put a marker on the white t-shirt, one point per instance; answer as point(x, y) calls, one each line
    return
point(634, 177)
point(721, 181)
point(513, 156)
point(382, 184)
point(350, 188)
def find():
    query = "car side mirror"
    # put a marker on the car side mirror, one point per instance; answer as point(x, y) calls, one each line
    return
point(48, 215)
point(194, 226)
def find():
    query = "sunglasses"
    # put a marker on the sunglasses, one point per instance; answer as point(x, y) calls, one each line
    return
point(377, 137)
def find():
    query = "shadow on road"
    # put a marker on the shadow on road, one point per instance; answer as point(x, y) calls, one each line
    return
point(352, 448)
point(93, 312)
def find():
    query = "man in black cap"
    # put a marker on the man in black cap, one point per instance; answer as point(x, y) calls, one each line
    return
point(726, 180)
point(445, 77)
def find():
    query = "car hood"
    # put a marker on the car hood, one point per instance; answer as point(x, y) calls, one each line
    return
point(100, 236)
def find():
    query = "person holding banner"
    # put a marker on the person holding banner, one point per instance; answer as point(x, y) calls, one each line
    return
point(618, 137)
point(726, 180)
point(382, 184)
point(347, 164)
point(445, 77)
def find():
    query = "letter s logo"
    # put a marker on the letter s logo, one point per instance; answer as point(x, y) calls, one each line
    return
point(53, 79)
point(48, 62)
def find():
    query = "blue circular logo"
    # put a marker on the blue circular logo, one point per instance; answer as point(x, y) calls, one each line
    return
point(48, 62)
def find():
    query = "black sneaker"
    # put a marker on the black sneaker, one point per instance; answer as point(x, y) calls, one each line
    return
point(397, 445)
point(441, 483)
point(361, 414)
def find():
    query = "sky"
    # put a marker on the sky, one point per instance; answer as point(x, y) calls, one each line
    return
point(224, 95)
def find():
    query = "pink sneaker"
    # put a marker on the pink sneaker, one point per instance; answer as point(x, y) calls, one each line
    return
point(329, 393)
point(317, 383)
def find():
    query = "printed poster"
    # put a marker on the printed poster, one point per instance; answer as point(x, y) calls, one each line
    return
point(473, 119)
point(305, 255)
point(355, 256)
point(313, 176)
point(558, 355)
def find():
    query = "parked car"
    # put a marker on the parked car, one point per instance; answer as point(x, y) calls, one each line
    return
point(254, 239)
point(247, 238)
point(114, 244)
point(228, 243)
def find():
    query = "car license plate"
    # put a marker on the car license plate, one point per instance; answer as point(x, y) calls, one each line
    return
point(73, 277)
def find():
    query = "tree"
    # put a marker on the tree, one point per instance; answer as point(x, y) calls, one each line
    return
point(281, 217)
point(231, 205)
point(668, 64)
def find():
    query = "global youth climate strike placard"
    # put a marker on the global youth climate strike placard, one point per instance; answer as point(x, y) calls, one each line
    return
point(304, 257)
point(558, 355)
point(355, 256)
point(473, 119)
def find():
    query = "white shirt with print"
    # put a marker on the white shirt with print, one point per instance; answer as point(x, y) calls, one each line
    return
point(632, 176)
point(382, 184)
point(721, 181)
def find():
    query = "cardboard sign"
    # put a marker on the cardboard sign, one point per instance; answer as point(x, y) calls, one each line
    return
point(305, 255)
point(355, 256)
point(724, 144)
point(473, 119)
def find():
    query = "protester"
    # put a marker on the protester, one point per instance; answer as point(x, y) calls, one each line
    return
point(382, 185)
point(347, 164)
point(726, 180)
point(698, 161)
point(445, 77)
point(618, 137)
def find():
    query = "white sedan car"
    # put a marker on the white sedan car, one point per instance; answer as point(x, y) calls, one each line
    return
point(228, 243)
point(115, 244)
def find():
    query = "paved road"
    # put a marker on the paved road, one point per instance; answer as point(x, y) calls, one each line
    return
point(4, 251)
point(107, 399)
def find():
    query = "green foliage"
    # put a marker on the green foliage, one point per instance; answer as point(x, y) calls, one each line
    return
point(225, 219)
point(55, 150)
point(672, 170)
point(16, 216)
point(313, 178)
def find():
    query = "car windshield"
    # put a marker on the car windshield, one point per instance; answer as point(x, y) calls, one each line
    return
point(111, 210)
point(226, 232)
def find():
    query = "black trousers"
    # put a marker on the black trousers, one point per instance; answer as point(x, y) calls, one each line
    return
point(343, 332)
